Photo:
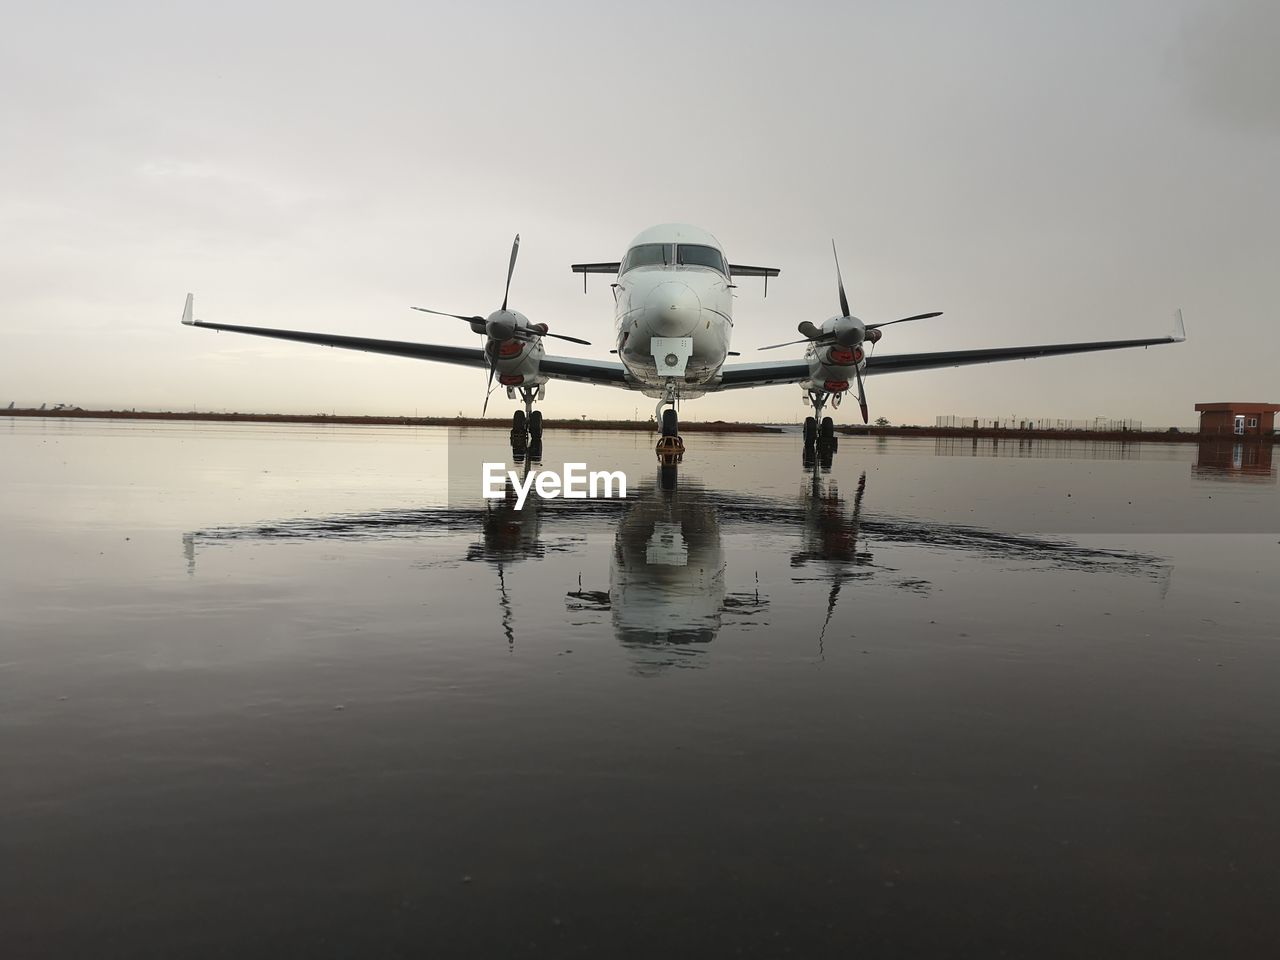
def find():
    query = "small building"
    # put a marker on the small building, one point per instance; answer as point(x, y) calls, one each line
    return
point(1238, 419)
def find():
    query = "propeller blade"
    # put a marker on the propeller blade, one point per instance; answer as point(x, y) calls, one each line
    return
point(789, 343)
point(515, 248)
point(565, 336)
point(493, 368)
point(810, 331)
point(862, 393)
point(844, 301)
point(918, 316)
point(456, 316)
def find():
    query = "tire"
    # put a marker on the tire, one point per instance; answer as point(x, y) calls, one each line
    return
point(810, 431)
point(518, 422)
point(827, 431)
point(670, 423)
point(535, 424)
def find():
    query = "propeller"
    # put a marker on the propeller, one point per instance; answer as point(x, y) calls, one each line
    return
point(456, 316)
point(511, 268)
point(918, 316)
point(844, 301)
point(490, 351)
point(862, 393)
point(504, 324)
point(847, 330)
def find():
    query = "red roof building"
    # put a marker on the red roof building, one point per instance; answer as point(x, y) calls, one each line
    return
point(1238, 419)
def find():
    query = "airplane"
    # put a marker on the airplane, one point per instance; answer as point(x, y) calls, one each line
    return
point(673, 316)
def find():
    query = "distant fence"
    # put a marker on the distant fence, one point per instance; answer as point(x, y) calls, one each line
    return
point(1096, 425)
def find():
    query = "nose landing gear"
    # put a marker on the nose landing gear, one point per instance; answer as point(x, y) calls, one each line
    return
point(670, 448)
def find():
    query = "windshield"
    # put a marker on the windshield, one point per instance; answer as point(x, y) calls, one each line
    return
point(648, 255)
point(697, 255)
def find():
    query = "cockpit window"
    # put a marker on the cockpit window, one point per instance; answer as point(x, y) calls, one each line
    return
point(697, 255)
point(649, 255)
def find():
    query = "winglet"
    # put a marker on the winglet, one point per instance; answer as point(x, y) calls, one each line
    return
point(1179, 328)
point(186, 311)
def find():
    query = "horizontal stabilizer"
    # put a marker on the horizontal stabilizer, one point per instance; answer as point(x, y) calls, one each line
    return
point(740, 270)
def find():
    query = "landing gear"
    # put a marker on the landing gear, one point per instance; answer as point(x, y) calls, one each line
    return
point(670, 448)
point(827, 433)
point(535, 436)
point(670, 423)
point(820, 440)
point(526, 428)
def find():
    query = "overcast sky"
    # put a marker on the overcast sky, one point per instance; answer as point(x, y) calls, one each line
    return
point(1041, 172)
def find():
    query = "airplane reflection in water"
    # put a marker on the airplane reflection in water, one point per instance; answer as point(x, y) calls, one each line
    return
point(667, 577)
point(667, 596)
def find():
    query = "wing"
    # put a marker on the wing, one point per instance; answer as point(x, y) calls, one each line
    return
point(738, 376)
point(558, 368)
point(795, 371)
point(961, 358)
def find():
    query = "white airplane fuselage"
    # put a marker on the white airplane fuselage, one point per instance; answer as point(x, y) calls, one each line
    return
point(673, 319)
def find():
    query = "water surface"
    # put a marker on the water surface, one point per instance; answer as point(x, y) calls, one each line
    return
point(289, 690)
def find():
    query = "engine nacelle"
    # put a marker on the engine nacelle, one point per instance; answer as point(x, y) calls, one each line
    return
point(838, 356)
point(832, 368)
point(517, 360)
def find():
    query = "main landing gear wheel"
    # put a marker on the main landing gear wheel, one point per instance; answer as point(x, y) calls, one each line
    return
point(820, 439)
point(519, 436)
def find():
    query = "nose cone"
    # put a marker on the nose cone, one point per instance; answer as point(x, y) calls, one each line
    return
point(672, 310)
point(849, 331)
point(501, 324)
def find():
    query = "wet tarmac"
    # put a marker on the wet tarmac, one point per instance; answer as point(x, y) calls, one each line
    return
point(288, 690)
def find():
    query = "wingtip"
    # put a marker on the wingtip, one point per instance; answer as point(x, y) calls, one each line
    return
point(1179, 328)
point(187, 311)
